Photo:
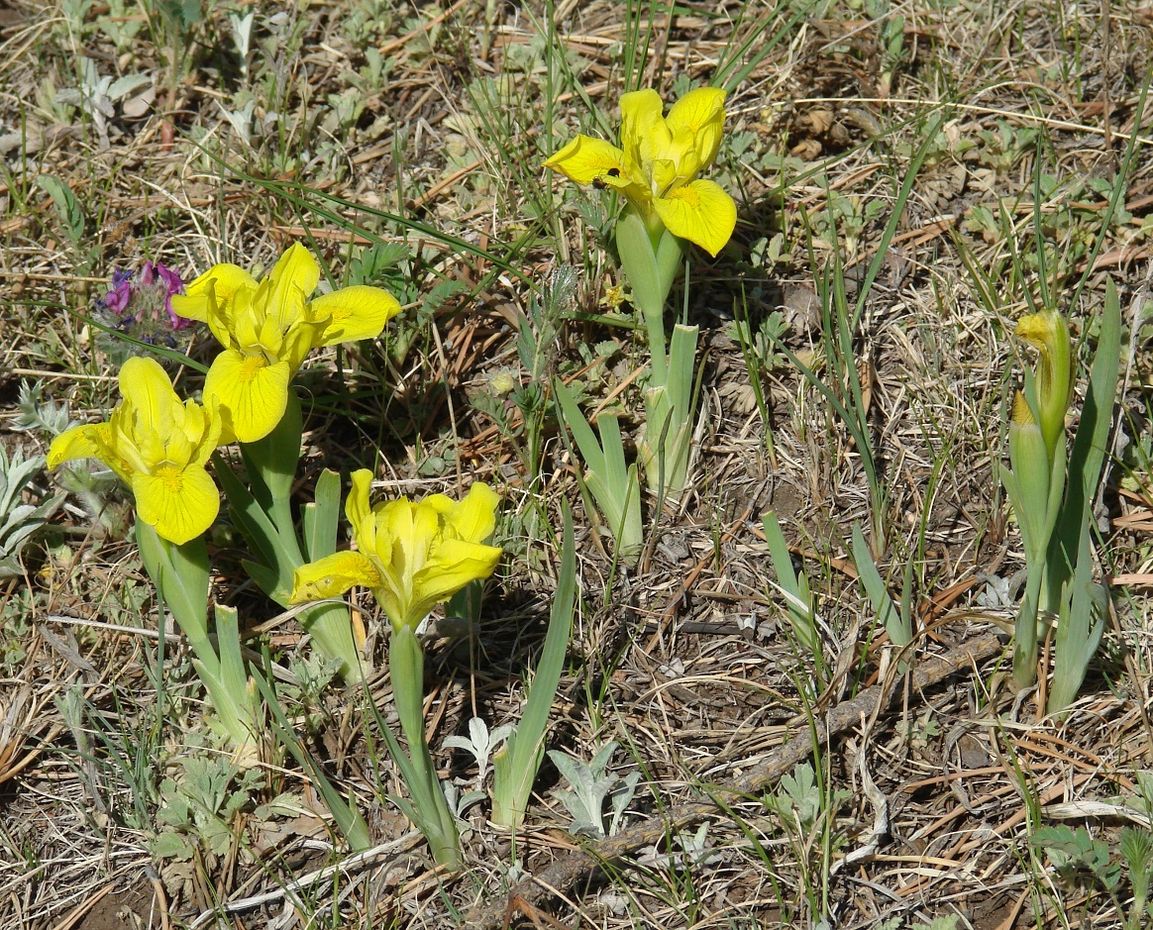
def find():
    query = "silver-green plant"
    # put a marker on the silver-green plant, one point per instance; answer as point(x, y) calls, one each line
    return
point(19, 520)
point(1053, 492)
point(590, 785)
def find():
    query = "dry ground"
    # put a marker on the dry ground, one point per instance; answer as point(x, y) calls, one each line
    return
point(422, 126)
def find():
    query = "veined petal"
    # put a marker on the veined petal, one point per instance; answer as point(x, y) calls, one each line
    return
point(293, 280)
point(455, 563)
point(254, 393)
point(145, 385)
point(331, 576)
point(701, 212)
point(700, 114)
point(474, 518)
point(224, 280)
point(354, 313)
point(211, 434)
point(586, 159)
point(180, 503)
point(81, 442)
point(641, 113)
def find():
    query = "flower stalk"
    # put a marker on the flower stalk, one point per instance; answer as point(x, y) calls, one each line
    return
point(412, 556)
point(656, 170)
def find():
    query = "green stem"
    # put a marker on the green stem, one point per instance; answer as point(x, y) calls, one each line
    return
point(406, 664)
point(272, 465)
point(180, 574)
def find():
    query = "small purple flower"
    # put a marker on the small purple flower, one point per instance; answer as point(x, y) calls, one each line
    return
point(142, 303)
point(154, 274)
point(120, 296)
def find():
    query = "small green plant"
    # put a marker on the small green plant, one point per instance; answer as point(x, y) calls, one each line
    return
point(800, 607)
point(590, 784)
point(19, 520)
point(71, 217)
point(1086, 862)
point(807, 804)
point(199, 807)
point(946, 922)
point(801, 800)
point(1053, 494)
point(897, 621)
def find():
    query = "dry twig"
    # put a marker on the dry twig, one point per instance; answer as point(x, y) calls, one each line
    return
point(565, 872)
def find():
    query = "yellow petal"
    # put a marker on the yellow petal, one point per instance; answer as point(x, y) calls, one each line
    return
point(179, 503)
point(254, 393)
point(358, 510)
point(331, 576)
point(354, 313)
point(146, 386)
point(700, 114)
point(586, 159)
point(293, 280)
point(223, 280)
point(701, 212)
point(641, 116)
point(474, 518)
point(455, 563)
point(80, 442)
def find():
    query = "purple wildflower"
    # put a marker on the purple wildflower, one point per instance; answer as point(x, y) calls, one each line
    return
point(142, 303)
point(120, 296)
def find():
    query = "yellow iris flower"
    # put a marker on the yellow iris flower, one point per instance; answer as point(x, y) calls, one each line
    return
point(157, 444)
point(657, 165)
point(412, 555)
point(268, 327)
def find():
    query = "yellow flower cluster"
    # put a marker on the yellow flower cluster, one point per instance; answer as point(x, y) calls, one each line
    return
point(158, 445)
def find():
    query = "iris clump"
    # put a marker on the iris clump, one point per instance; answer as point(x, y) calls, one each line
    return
point(656, 170)
point(412, 555)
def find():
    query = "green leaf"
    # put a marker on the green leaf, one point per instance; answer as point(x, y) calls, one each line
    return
point(517, 763)
point(68, 208)
point(348, 819)
point(613, 485)
point(900, 633)
point(321, 518)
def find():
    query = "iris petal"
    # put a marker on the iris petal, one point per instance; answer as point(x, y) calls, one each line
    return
point(224, 280)
point(700, 115)
point(701, 212)
point(332, 576)
point(180, 503)
point(254, 392)
point(586, 159)
point(354, 313)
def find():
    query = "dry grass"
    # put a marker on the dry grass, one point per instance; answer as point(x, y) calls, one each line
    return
point(924, 806)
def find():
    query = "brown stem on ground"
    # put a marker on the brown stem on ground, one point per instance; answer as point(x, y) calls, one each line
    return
point(565, 872)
